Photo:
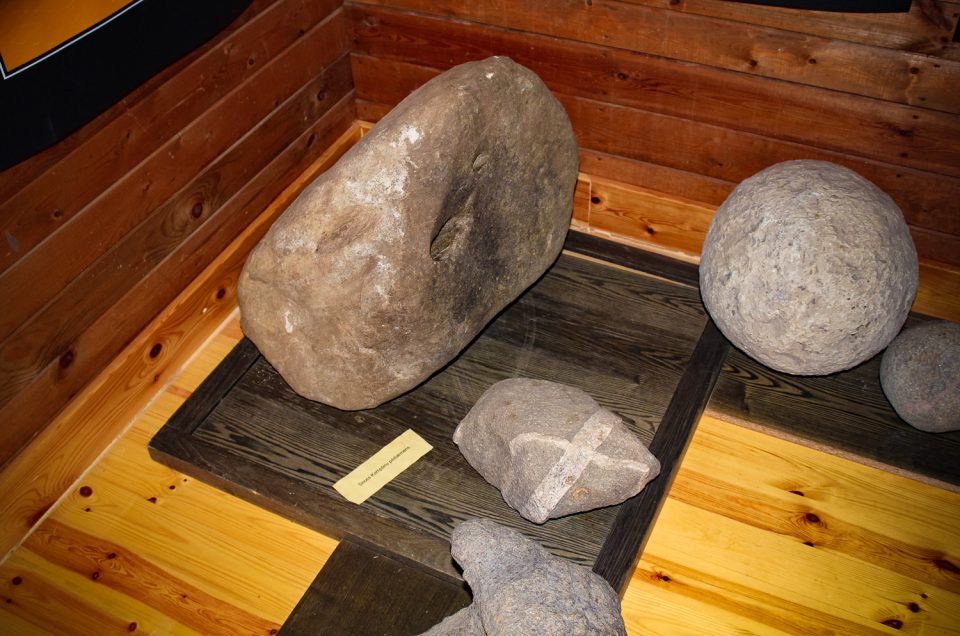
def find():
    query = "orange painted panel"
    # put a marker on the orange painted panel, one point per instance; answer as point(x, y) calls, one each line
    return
point(30, 29)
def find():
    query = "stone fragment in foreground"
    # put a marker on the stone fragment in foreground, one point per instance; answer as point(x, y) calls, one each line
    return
point(520, 588)
point(391, 262)
point(552, 450)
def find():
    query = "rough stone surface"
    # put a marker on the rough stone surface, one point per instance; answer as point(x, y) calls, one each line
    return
point(808, 268)
point(394, 259)
point(552, 450)
point(520, 588)
point(920, 375)
point(466, 622)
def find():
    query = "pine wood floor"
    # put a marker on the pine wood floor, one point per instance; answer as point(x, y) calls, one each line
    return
point(758, 536)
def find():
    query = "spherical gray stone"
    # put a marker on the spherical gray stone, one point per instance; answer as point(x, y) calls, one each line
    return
point(808, 268)
point(920, 375)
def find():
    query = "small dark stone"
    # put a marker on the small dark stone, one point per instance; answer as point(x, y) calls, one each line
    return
point(920, 375)
point(520, 588)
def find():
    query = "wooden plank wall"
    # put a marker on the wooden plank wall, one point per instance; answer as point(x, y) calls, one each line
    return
point(103, 230)
point(676, 101)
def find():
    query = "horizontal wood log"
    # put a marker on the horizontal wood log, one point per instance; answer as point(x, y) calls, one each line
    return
point(720, 154)
point(669, 181)
point(127, 203)
point(106, 155)
point(926, 28)
point(859, 126)
point(873, 71)
point(672, 223)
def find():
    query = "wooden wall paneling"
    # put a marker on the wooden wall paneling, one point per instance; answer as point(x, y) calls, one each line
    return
point(122, 206)
point(719, 153)
point(927, 28)
point(372, 111)
point(36, 478)
point(671, 223)
point(106, 154)
point(689, 185)
point(49, 330)
point(832, 120)
point(20, 175)
point(897, 76)
point(98, 314)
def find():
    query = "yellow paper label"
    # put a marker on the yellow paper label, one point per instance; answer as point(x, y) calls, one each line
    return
point(388, 462)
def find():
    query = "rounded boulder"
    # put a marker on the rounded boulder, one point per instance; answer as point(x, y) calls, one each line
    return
point(920, 375)
point(808, 268)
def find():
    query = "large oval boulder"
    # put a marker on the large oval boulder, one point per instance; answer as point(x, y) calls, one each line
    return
point(392, 261)
point(809, 268)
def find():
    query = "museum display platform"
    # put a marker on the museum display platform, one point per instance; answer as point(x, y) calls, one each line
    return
point(624, 325)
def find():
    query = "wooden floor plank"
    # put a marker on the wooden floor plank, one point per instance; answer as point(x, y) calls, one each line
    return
point(716, 554)
point(136, 543)
point(701, 572)
point(72, 442)
point(845, 412)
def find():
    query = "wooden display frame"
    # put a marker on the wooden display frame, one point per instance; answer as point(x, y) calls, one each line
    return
point(608, 539)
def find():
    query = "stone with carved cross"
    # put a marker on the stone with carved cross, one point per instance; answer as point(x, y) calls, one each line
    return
point(552, 450)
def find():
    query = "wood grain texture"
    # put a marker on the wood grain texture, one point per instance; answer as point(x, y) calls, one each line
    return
point(846, 412)
point(36, 478)
point(356, 578)
point(761, 535)
point(136, 547)
point(19, 176)
point(171, 167)
point(90, 286)
point(926, 28)
point(727, 554)
point(623, 545)
point(95, 158)
point(887, 132)
point(676, 183)
point(85, 326)
point(750, 48)
point(265, 443)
